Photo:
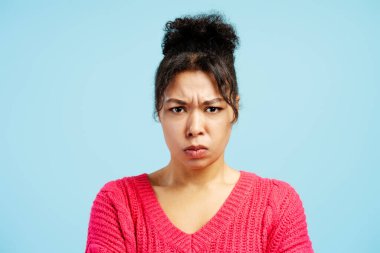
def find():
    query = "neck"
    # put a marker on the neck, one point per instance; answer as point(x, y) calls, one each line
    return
point(177, 175)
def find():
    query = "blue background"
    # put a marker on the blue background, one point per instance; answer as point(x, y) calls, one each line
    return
point(76, 104)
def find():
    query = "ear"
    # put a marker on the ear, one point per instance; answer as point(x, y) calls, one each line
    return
point(159, 116)
point(237, 101)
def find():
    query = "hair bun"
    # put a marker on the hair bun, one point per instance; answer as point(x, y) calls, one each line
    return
point(201, 33)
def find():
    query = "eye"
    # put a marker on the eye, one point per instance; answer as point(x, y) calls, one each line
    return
point(177, 109)
point(213, 109)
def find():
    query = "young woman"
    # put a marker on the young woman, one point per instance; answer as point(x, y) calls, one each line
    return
point(197, 203)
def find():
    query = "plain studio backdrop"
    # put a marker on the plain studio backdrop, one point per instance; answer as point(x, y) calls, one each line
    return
point(76, 104)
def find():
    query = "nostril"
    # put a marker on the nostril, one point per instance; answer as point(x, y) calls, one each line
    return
point(194, 133)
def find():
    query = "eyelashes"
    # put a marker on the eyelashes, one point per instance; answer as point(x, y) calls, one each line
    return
point(210, 109)
point(176, 109)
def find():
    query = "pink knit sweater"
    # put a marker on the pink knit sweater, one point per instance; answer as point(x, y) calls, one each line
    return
point(259, 215)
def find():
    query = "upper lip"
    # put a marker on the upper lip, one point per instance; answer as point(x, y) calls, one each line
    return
point(195, 147)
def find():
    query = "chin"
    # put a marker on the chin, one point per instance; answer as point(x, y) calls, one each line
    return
point(196, 167)
point(197, 164)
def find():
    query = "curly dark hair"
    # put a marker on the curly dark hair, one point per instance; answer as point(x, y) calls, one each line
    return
point(202, 42)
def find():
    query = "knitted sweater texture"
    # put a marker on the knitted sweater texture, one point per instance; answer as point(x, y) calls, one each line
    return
point(260, 215)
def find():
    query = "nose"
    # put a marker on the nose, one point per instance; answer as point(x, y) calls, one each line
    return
point(194, 124)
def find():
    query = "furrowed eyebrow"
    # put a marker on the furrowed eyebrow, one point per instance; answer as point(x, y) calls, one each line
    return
point(181, 102)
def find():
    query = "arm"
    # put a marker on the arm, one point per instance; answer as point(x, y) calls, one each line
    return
point(289, 233)
point(110, 228)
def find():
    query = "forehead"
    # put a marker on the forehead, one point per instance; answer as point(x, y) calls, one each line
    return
point(189, 83)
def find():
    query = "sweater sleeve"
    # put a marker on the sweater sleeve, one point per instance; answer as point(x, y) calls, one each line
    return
point(110, 228)
point(289, 234)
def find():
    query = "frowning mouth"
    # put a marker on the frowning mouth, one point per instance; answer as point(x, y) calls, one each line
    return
point(196, 152)
point(195, 148)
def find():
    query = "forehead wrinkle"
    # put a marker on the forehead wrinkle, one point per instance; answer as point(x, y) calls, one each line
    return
point(183, 102)
point(190, 89)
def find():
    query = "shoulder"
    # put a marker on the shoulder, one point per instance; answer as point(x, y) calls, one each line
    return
point(113, 211)
point(120, 184)
point(275, 185)
point(277, 193)
point(284, 201)
point(120, 192)
point(282, 191)
point(282, 214)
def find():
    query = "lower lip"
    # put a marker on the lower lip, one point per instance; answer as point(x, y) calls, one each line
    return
point(196, 153)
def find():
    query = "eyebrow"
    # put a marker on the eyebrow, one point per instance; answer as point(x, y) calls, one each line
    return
point(181, 102)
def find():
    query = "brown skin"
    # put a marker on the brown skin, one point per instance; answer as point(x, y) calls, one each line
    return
point(192, 190)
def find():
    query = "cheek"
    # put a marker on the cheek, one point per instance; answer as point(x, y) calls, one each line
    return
point(223, 122)
point(221, 130)
point(171, 133)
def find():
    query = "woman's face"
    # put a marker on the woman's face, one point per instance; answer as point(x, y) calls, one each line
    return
point(194, 114)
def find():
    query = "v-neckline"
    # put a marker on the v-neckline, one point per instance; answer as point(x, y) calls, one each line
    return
point(203, 236)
